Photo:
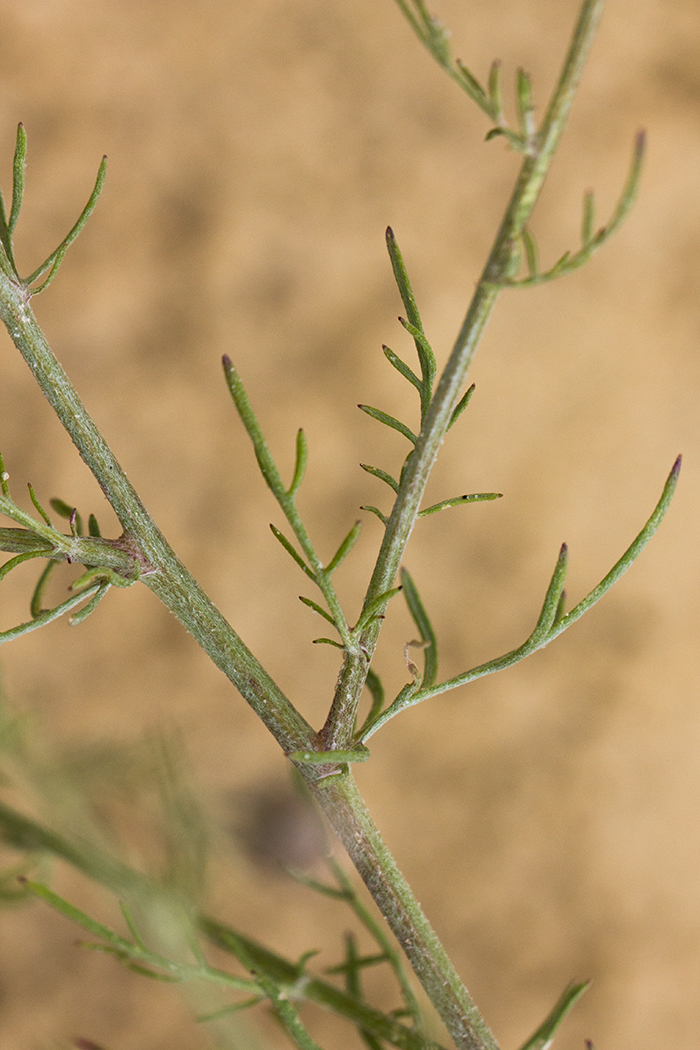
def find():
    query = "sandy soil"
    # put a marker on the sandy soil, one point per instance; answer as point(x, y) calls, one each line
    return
point(547, 818)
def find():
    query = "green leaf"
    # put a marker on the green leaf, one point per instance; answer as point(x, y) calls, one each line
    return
point(389, 421)
point(4, 477)
point(245, 1004)
point(473, 88)
point(53, 262)
point(382, 475)
point(495, 99)
point(402, 281)
point(543, 1037)
point(458, 501)
point(317, 608)
point(302, 455)
point(525, 105)
point(376, 607)
point(461, 405)
point(376, 511)
point(422, 622)
point(39, 507)
point(426, 358)
point(12, 563)
point(344, 548)
point(82, 614)
point(64, 510)
point(38, 595)
point(403, 368)
point(290, 550)
point(322, 758)
point(18, 166)
point(587, 218)
point(531, 254)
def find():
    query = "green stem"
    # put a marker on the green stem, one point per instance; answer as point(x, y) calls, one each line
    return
point(346, 811)
point(500, 267)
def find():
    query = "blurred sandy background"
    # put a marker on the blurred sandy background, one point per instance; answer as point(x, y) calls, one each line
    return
point(548, 817)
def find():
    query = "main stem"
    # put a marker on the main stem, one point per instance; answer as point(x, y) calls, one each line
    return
point(164, 574)
point(348, 815)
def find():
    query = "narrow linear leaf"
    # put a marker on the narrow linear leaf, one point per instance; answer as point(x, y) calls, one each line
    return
point(560, 265)
point(248, 419)
point(328, 641)
point(473, 88)
point(291, 550)
point(543, 1037)
point(75, 915)
point(45, 617)
point(131, 925)
point(376, 472)
point(376, 511)
point(344, 548)
point(458, 501)
point(39, 507)
point(552, 599)
point(4, 478)
point(18, 172)
point(5, 238)
point(402, 281)
point(53, 262)
point(402, 367)
point(375, 607)
point(12, 563)
point(356, 964)
point(531, 253)
point(425, 356)
point(422, 622)
point(628, 558)
point(322, 758)
point(629, 191)
point(461, 405)
point(302, 456)
point(389, 421)
point(35, 605)
point(82, 614)
point(560, 610)
point(304, 879)
point(587, 218)
point(376, 691)
point(317, 609)
point(495, 96)
point(515, 140)
point(525, 106)
point(245, 1004)
point(63, 509)
point(93, 527)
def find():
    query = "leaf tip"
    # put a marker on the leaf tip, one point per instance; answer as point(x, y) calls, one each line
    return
point(676, 469)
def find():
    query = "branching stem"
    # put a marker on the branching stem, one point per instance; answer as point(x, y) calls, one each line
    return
point(500, 267)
